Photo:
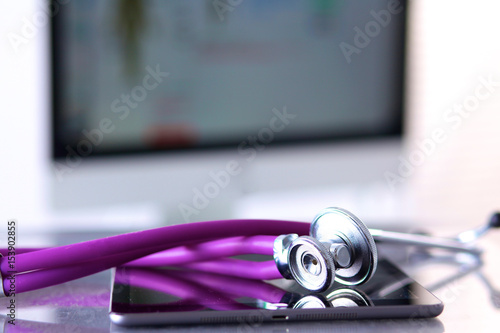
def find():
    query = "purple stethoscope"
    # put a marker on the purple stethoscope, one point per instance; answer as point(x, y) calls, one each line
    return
point(336, 246)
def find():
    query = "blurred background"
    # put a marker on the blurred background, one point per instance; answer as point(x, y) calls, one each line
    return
point(133, 114)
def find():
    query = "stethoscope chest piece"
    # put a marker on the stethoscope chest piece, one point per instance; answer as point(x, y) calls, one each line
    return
point(341, 229)
point(339, 248)
point(311, 263)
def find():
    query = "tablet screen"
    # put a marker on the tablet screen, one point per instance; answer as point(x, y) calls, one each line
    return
point(177, 291)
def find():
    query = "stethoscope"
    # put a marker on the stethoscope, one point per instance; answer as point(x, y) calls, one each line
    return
point(336, 246)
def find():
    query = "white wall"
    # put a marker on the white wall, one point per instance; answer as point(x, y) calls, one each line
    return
point(23, 118)
point(455, 45)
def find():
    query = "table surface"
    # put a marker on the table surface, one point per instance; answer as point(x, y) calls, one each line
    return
point(469, 292)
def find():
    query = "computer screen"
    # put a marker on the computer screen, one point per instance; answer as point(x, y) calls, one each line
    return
point(142, 76)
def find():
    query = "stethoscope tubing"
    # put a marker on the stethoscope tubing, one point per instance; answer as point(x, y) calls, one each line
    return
point(264, 270)
point(225, 247)
point(180, 287)
point(235, 286)
point(186, 256)
point(220, 248)
point(229, 286)
point(152, 240)
point(203, 246)
point(51, 266)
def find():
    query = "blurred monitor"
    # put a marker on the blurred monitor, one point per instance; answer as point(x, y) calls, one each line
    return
point(155, 100)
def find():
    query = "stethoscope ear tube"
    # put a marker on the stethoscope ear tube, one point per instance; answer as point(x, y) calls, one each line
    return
point(383, 236)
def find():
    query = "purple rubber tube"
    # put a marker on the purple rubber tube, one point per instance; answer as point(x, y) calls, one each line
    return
point(177, 286)
point(149, 241)
point(235, 286)
point(264, 270)
point(226, 247)
point(48, 277)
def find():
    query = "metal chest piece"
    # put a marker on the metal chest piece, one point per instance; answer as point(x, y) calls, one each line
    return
point(339, 248)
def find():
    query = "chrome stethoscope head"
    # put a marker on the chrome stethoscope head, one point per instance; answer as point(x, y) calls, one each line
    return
point(339, 248)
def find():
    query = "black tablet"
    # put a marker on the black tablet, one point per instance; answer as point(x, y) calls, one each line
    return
point(172, 296)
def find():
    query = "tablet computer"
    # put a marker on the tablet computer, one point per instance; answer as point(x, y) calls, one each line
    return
point(173, 296)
